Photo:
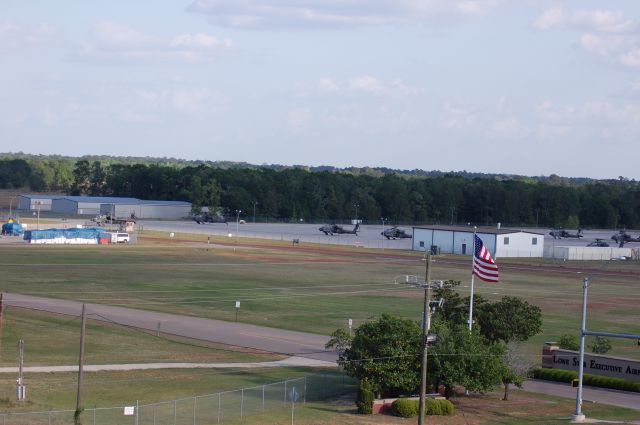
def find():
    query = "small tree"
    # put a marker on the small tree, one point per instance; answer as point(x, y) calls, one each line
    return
point(516, 368)
point(601, 345)
point(568, 342)
point(385, 352)
point(364, 400)
point(510, 319)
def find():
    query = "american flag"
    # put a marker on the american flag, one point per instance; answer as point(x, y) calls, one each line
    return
point(483, 265)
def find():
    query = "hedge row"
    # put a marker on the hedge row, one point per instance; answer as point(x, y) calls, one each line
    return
point(408, 408)
point(560, 375)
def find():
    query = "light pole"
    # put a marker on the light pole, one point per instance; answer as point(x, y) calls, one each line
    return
point(11, 207)
point(38, 220)
point(382, 234)
point(254, 211)
point(356, 205)
point(427, 309)
point(237, 221)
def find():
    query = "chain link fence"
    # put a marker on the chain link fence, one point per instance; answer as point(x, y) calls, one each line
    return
point(217, 408)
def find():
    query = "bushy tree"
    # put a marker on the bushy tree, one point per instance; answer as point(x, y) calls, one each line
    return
point(568, 342)
point(601, 345)
point(510, 319)
point(386, 352)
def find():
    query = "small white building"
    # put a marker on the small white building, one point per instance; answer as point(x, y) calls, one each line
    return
point(459, 240)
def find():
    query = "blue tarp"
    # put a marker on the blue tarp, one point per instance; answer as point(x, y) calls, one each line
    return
point(91, 233)
point(12, 229)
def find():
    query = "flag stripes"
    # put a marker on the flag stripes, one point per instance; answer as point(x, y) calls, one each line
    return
point(483, 265)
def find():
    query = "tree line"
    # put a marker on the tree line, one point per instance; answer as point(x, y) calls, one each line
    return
point(295, 194)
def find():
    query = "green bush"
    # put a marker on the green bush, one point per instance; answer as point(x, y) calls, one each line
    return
point(560, 375)
point(405, 407)
point(364, 401)
point(433, 407)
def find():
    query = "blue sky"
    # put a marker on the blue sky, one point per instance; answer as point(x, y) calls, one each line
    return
point(527, 87)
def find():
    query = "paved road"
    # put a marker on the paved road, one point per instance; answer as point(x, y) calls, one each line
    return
point(238, 334)
point(289, 362)
point(589, 394)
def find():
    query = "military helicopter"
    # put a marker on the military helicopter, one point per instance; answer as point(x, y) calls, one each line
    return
point(622, 237)
point(334, 229)
point(395, 233)
point(561, 233)
point(207, 218)
point(599, 242)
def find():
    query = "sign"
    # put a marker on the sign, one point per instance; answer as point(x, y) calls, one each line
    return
point(237, 304)
point(350, 323)
point(293, 395)
point(595, 364)
point(129, 410)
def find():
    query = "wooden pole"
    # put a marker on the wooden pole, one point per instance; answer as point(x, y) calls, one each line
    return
point(1, 317)
point(80, 364)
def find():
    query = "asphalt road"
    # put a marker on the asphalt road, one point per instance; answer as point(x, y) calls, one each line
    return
point(237, 334)
point(589, 394)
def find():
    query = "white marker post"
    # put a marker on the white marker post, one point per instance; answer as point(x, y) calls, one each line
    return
point(293, 396)
point(350, 326)
point(237, 309)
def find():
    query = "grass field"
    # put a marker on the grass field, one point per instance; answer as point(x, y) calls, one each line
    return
point(306, 290)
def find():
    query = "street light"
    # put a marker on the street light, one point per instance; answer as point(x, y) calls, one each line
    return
point(11, 207)
point(237, 221)
point(428, 308)
point(254, 211)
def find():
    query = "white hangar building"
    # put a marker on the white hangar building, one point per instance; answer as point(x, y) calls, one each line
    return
point(459, 240)
point(32, 202)
point(94, 205)
point(170, 210)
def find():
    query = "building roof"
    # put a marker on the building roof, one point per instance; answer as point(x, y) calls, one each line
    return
point(469, 229)
point(35, 195)
point(101, 199)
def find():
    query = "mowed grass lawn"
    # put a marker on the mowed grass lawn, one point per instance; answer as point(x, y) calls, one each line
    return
point(305, 290)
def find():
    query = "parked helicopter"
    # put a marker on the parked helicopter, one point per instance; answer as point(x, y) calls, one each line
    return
point(334, 229)
point(622, 237)
point(561, 233)
point(599, 242)
point(207, 218)
point(395, 233)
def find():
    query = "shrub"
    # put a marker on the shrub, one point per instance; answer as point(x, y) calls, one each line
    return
point(405, 407)
point(364, 401)
point(433, 407)
point(447, 407)
point(560, 375)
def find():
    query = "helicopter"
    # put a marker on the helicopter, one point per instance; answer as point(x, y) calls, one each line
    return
point(622, 237)
point(334, 229)
point(599, 242)
point(395, 233)
point(207, 218)
point(561, 233)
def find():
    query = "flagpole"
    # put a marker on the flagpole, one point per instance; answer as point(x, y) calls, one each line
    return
point(473, 253)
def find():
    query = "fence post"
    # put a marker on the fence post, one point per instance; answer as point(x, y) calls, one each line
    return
point(94, 414)
point(241, 403)
point(219, 397)
point(263, 399)
point(154, 414)
point(175, 409)
point(304, 396)
point(137, 407)
point(284, 401)
point(195, 404)
point(49, 418)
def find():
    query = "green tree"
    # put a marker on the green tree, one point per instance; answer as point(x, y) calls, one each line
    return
point(464, 358)
point(568, 342)
point(601, 345)
point(385, 352)
point(515, 369)
point(510, 319)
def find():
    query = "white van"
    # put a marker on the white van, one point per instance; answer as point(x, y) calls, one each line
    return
point(121, 237)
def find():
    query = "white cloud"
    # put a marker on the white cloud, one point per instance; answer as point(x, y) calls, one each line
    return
point(358, 85)
point(609, 34)
point(551, 18)
point(332, 13)
point(113, 42)
point(13, 35)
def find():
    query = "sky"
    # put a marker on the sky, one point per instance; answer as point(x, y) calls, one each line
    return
point(530, 87)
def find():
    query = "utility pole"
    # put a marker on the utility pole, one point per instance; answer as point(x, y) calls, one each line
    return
point(1, 319)
point(80, 364)
point(426, 324)
point(20, 387)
